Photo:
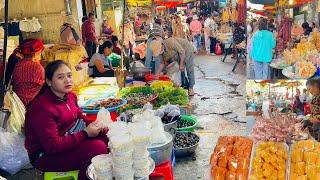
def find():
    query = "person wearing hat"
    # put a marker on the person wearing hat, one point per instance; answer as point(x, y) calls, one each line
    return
point(195, 30)
point(24, 71)
point(68, 34)
point(181, 51)
point(152, 54)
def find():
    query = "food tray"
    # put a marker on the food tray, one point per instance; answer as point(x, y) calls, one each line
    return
point(289, 158)
point(279, 65)
point(208, 175)
point(253, 155)
point(289, 74)
point(90, 171)
point(95, 111)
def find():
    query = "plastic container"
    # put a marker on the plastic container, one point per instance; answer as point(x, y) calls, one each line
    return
point(141, 137)
point(121, 144)
point(141, 164)
point(188, 119)
point(140, 154)
point(102, 163)
point(123, 174)
point(124, 159)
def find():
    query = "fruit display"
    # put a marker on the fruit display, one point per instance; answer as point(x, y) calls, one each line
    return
point(269, 161)
point(305, 160)
point(231, 158)
point(280, 128)
point(185, 140)
point(106, 103)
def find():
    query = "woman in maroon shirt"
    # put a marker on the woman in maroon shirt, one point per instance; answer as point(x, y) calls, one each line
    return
point(25, 70)
point(58, 136)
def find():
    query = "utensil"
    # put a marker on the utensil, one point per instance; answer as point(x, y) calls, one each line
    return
point(161, 153)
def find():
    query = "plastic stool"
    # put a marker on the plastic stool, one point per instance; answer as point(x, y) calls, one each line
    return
point(164, 170)
point(70, 175)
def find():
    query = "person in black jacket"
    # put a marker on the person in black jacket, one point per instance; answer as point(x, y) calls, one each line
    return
point(306, 29)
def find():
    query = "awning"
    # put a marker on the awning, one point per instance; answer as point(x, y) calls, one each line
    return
point(264, 2)
point(169, 3)
point(139, 3)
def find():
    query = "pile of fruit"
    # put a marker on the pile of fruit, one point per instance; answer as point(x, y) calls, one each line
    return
point(106, 103)
point(315, 39)
point(270, 161)
point(231, 158)
point(305, 160)
point(185, 140)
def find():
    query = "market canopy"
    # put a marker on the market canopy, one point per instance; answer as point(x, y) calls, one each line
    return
point(139, 3)
point(169, 3)
point(282, 3)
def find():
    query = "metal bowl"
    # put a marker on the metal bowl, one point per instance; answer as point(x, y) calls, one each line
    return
point(182, 152)
point(161, 153)
point(139, 72)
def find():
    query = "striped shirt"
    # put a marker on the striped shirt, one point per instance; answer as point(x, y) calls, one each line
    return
point(28, 79)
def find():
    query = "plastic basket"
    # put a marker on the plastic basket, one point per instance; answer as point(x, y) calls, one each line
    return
point(189, 119)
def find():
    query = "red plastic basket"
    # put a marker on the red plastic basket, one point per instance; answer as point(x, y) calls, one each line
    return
point(114, 115)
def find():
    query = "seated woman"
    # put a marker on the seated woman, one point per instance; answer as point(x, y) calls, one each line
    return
point(58, 136)
point(100, 65)
point(24, 70)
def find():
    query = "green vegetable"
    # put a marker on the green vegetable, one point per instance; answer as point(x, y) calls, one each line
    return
point(172, 95)
point(130, 90)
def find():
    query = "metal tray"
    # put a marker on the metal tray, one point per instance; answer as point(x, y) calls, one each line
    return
point(90, 171)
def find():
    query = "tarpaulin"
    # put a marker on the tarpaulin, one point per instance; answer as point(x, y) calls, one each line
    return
point(169, 3)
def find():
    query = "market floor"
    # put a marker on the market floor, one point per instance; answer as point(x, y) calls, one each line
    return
point(220, 109)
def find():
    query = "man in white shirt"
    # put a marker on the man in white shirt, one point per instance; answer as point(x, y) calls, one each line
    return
point(210, 26)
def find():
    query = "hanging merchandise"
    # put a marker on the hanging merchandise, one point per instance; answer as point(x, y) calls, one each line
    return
point(284, 34)
point(226, 14)
point(242, 11)
point(31, 25)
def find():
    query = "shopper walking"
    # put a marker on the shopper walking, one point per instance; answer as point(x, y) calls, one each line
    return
point(179, 29)
point(195, 30)
point(263, 43)
point(89, 37)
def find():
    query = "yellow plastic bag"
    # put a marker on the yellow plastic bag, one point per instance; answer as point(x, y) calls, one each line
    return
point(17, 112)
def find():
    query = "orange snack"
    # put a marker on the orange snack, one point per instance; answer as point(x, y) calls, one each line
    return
point(310, 157)
point(242, 174)
point(297, 155)
point(232, 164)
point(243, 163)
point(223, 161)
point(231, 176)
point(218, 173)
point(214, 159)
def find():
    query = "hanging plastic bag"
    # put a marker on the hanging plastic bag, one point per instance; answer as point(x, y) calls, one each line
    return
point(147, 107)
point(104, 117)
point(218, 50)
point(13, 155)
point(17, 112)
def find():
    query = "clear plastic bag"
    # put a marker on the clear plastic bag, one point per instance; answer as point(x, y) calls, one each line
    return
point(13, 155)
point(104, 117)
point(159, 113)
point(147, 107)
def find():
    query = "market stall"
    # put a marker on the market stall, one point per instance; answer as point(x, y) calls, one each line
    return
point(278, 146)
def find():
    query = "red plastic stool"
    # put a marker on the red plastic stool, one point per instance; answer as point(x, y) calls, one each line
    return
point(164, 170)
point(114, 115)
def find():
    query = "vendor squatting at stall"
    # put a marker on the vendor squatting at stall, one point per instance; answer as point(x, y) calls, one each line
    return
point(25, 70)
point(182, 51)
point(57, 138)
